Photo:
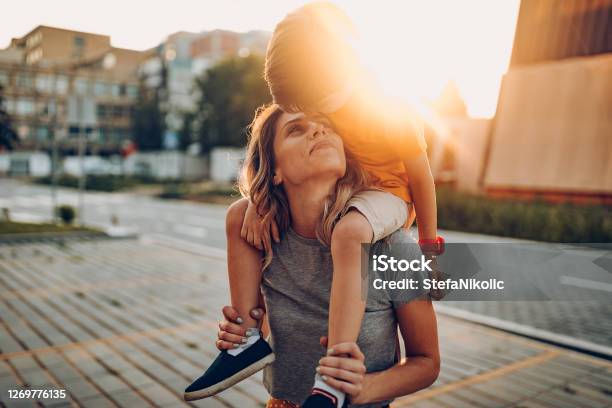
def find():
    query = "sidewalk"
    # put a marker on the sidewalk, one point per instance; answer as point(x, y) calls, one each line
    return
point(129, 323)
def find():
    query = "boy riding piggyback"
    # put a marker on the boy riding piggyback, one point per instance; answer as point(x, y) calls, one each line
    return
point(312, 67)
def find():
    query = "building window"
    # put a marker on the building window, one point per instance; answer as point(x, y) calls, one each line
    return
point(51, 107)
point(43, 83)
point(101, 111)
point(4, 78)
point(102, 134)
point(34, 56)
point(34, 39)
point(101, 88)
point(24, 106)
point(81, 86)
point(115, 90)
point(42, 133)
point(79, 46)
point(73, 131)
point(132, 91)
point(24, 80)
point(61, 84)
point(117, 135)
point(10, 105)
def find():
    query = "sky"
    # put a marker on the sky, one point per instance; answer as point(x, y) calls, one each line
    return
point(413, 47)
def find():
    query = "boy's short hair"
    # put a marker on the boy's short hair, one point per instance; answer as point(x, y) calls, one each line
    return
point(310, 56)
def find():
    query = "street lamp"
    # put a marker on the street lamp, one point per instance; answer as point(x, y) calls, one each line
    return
point(54, 161)
point(81, 151)
point(81, 117)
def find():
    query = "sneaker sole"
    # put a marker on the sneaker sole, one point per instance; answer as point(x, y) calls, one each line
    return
point(228, 382)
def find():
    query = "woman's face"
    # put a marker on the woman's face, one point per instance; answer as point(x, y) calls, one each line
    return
point(306, 149)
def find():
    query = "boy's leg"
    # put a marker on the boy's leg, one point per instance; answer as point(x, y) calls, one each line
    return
point(244, 264)
point(347, 305)
point(253, 354)
point(373, 215)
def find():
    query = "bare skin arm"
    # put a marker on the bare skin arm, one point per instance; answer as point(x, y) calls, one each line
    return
point(421, 366)
point(345, 369)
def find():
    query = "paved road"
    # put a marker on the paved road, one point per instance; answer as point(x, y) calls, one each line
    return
point(585, 323)
point(128, 323)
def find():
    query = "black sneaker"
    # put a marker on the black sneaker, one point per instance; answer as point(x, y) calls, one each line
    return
point(322, 399)
point(228, 370)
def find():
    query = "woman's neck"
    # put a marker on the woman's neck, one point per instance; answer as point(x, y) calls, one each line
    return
point(306, 203)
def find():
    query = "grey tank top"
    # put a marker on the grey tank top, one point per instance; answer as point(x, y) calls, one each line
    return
point(296, 287)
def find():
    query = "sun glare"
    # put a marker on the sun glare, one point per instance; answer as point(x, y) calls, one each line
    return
point(415, 48)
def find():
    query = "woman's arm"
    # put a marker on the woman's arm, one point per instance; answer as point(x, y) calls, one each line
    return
point(423, 192)
point(420, 368)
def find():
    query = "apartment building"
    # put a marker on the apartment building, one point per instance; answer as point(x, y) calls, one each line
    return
point(63, 83)
point(174, 65)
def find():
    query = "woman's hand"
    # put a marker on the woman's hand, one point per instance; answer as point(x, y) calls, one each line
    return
point(231, 334)
point(256, 231)
point(343, 368)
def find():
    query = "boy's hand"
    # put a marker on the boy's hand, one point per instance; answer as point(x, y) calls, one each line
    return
point(256, 231)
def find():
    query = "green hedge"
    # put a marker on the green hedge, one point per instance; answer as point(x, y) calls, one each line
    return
point(10, 227)
point(175, 190)
point(538, 221)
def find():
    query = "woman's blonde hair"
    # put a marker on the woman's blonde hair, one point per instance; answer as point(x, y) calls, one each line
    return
point(257, 174)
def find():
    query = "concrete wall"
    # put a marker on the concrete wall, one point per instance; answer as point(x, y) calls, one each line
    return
point(225, 163)
point(34, 164)
point(170, 164)
point(91, 165)
point(553, 128)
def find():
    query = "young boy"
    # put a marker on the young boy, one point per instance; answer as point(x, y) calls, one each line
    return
point(311, 67)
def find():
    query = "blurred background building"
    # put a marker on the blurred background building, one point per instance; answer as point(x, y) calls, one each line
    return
point(551, 136)
point(549, 139)
point(58, 83)
point(173, 66)
point(552, 133)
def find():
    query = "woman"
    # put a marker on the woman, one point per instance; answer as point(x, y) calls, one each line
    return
point(298, 170)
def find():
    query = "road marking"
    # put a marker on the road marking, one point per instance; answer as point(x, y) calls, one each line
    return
point(585, 283)
point(486, 376)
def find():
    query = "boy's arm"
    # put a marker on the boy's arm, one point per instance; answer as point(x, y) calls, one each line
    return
point(423, 192)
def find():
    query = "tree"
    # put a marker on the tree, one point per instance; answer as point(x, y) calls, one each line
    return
point(148, 119)
point(8, 136)
point(229, 94)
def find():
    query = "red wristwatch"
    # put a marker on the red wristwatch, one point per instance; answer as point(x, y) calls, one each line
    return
point(432, 246)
